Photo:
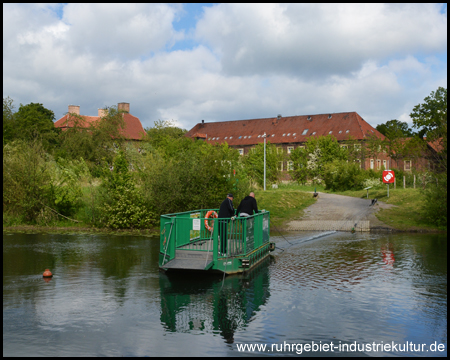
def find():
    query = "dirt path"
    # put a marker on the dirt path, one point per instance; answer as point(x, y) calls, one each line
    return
point(338, 212)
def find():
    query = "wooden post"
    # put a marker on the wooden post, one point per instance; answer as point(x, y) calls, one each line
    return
point(395, 182)
point(414, 181)
point(404, 182)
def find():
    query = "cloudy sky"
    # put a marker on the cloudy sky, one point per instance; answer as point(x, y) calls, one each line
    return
point(218, 62)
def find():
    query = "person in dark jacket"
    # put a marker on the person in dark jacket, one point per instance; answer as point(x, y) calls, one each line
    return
point(226, 212)
point(247, 206)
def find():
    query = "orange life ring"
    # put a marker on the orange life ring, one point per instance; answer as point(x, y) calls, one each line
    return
point(213, 214)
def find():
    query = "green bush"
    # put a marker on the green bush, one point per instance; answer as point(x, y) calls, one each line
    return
point(435, 207)
point(26, 180)
point(124, 208)
point(340, 176)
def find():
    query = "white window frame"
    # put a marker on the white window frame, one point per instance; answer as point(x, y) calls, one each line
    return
point(241, 151)
point(385, 164)
point(280, 165)
point(371, 164)
point(378, 164)
point(290, 149)
point(404, 165)
point(290, 165)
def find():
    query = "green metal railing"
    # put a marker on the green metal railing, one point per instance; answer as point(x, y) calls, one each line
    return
point(187, 231)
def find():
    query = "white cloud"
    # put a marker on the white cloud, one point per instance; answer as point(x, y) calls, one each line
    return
point(313, 40)
point(247, 62)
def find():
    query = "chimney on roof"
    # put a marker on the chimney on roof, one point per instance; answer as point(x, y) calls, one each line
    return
point(74, 109)
point(279, 117)
point(102, 112)
point(203, 121)
point(123, 106)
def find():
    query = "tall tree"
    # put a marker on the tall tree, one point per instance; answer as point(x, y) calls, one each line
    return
point(395, 129)
point(431, 118)
point(8, 120)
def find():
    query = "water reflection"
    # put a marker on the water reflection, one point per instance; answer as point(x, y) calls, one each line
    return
point(193, 302)
point(108, 298)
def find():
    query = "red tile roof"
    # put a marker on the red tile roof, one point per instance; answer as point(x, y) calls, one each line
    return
point(289, 129)
point(133, 128)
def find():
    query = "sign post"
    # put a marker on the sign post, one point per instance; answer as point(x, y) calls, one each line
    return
point(388, 178)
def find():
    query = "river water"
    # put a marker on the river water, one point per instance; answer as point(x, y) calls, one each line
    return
point(336, 295)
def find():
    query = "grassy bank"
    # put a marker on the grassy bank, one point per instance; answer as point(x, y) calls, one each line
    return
point(406, 215)
point(284, 204)
point(287, 203)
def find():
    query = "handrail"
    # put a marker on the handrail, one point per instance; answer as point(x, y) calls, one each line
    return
point(245, 235)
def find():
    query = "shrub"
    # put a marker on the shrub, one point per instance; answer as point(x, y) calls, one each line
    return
point(124, 208)
point(26, 179)
point(340, 176)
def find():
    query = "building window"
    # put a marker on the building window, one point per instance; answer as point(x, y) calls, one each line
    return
point(359, 161)
point(290, 149)
point(384, 164)
point(407, 165)
point(280, 165)
point(344, 147)
point(290, 165)
point(347, 131)
point(241, 151)
point(231, 137)
point(330, 132)
point(358, 147)
point(371, 164)
point(305, 132)
point(378, 164)
point(279, 150)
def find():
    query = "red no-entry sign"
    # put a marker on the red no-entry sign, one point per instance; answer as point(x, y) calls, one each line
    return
point(388, 177)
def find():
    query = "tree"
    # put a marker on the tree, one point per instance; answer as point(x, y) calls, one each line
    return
point(254, 163)
point(299, 157)
point(8, 120)
point(30, 122)
point(395, 129)
point(431, 118)
point(94, 142)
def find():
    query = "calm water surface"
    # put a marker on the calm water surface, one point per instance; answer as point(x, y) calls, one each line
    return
point(107, 298)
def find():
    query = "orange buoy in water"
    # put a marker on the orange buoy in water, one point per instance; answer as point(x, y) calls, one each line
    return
point(47, 273)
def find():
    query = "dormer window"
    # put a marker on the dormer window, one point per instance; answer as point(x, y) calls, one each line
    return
point(347, 131)
point(329, 116)
point(330, 132)
point(226, 137)
point(305, 132)
point(309, 117)
point(231, 137)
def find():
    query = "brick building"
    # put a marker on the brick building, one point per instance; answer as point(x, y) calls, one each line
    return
point(290, 132)
point(133, 129)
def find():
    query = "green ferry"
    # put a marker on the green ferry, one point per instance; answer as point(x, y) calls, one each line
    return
point(191, 241)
